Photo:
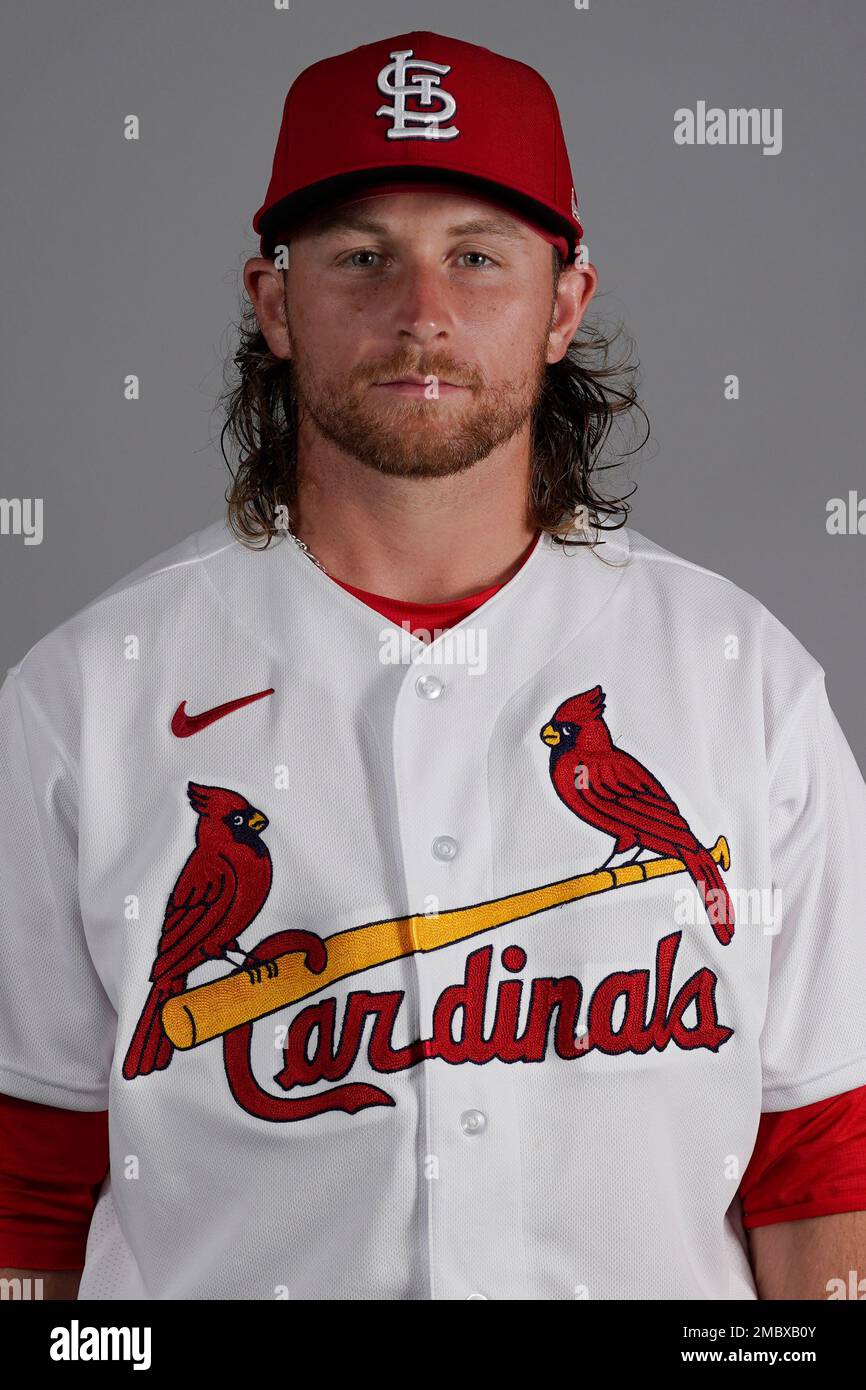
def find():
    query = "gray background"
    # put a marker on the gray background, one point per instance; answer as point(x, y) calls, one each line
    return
point(125, 257)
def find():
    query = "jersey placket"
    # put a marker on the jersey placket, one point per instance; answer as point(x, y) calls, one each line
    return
point(469, 1144)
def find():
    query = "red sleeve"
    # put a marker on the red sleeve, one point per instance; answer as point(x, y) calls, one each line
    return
point(52, 1165)
point(807, 1162)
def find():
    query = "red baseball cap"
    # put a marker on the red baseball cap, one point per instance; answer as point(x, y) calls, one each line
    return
point(420, 110)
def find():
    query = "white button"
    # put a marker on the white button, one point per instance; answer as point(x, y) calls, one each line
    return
point(429, 687)
point(473, 1121)
point(470, 1296)
point(444, 847)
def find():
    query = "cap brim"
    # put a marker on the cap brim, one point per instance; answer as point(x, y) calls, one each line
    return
point(294, 209)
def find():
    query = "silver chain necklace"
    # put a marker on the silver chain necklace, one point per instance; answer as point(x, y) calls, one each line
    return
point(306, 549)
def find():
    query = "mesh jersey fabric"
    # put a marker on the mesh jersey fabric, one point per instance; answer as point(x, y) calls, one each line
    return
point(789, 757)
point(53, 1161)
point(806, 1162)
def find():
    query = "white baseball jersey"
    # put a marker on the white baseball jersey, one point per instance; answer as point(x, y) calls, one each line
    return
point(466, 1060)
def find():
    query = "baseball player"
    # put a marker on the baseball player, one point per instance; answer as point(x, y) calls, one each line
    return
point(434, 890)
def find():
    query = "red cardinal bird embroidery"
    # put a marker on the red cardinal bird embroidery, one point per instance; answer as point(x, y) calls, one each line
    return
point(219, 891)
point(618, 795)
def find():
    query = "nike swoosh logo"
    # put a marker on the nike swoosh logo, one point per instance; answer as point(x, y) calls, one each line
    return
point(183, 724)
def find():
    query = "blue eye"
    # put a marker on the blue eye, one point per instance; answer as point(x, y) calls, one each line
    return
point(352, 259)
point(361, 253)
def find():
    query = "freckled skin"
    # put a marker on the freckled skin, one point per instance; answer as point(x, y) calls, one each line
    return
point(362, 307)
point(393, 492)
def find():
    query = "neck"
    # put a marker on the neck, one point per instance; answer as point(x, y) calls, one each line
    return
point(425, 540)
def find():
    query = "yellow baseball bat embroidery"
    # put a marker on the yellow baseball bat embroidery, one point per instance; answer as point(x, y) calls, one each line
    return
point(207, 1011)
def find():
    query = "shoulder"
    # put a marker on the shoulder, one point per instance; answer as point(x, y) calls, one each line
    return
point(179, 562)
point(694, 588)
point(51, 672)
point(685, 580)
point(704, 611)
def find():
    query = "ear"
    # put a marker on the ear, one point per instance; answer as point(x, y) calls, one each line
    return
point(577, 285)
point(265, 286)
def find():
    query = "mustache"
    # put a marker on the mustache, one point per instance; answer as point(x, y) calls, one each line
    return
point(442, 368)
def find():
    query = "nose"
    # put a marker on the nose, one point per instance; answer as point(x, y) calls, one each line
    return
point(423, 313)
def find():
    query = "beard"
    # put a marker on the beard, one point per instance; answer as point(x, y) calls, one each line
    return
point(416, 437)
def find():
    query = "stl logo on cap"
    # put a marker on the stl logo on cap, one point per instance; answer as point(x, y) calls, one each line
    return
point(422, 86)
point(407, 98)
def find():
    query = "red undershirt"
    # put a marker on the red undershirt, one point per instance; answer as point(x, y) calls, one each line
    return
point(806, 1162)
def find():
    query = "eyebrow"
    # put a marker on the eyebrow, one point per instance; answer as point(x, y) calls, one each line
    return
point(345, 220)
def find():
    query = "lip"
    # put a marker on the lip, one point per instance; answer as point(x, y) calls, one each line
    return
point(416, 386)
